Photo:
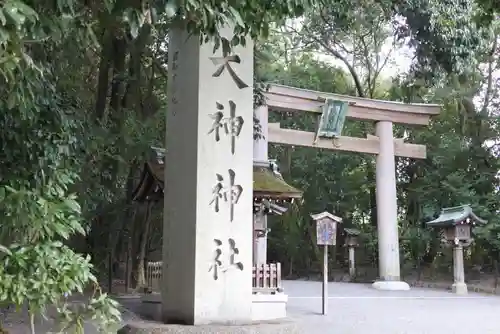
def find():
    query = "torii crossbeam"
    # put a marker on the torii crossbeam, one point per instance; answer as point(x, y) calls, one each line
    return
point(383, 144)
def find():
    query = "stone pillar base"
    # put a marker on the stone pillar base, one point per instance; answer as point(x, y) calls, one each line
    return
point(391, 285)
point(459, 288)
point(282, 327)
point(265, 307)
point(268, 306)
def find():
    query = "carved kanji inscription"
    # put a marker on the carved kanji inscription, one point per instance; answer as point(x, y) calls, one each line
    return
point(233, 254)
point(217, 266)
point(226, 190)
point(224, 63)
point(232, 124)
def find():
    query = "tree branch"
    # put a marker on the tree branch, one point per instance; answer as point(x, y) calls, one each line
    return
point(338, 55)
point(489, 87)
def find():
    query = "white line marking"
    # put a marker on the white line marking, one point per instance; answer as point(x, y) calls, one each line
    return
point(387, 297)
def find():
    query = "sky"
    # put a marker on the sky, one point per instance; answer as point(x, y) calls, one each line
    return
point(399, 61)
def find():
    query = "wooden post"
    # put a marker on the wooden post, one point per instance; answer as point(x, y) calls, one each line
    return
point(110, 271)
point(127, 270)
point(325, 280)
point(326, 234)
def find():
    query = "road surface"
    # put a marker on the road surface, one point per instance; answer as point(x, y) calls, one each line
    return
point(359, 309)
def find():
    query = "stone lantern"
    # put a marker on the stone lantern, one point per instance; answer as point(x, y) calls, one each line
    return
point(456, 224)
point(351, 242)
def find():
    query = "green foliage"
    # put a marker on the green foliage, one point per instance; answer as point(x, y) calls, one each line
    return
point(17, 22)
point(103, 310)
point(40, 274)
point(38, 167)
point(445, 34)
point(415, 242)
point(252, 18)
point(489, 8)
point(82, 95)
point(37, 269)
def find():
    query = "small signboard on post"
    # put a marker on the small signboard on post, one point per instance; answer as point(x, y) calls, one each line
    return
point(326, 235)
point(326, 231)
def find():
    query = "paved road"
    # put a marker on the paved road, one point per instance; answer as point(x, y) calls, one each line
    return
point(359, 309)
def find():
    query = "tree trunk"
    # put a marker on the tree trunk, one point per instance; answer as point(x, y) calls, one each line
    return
point(141, 274)
point(119, 45)
point(119, 228)
point(129, 241)
point(135, 241)
point(132, 95)
point(103, 77)
point(497, 273)
point(419, 270)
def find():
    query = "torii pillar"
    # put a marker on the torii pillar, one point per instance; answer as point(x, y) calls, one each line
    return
point(260, 155)
point(387, 211)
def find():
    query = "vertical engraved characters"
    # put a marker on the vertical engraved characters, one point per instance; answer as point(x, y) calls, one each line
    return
point(217, 124)
point(232, 124)
point(226, 189)
point(216, 264)
point(217, 192)
point(175, 67)
point(233, 251)
point(225, 63)
point(230, 193)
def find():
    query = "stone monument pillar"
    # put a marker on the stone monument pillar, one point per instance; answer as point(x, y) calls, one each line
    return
point(388, 237)
point(260, 155)
point(459, 287)
point(352, 262)
point(351, 242)
point(207, 230)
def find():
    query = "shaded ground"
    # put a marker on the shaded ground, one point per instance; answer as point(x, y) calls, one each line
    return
point(18, 322)
point(359, 309)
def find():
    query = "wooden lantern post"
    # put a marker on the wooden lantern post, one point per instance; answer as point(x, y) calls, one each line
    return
point(456, 224)
point(326, 235)
point(351, 242)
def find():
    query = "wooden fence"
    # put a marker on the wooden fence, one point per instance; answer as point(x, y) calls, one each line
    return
point(153, 276)
point(266, 278)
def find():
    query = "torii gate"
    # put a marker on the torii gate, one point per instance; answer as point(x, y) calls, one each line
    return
point(384, 113)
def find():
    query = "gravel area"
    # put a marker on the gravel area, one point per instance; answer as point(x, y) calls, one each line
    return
point(359, 309)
